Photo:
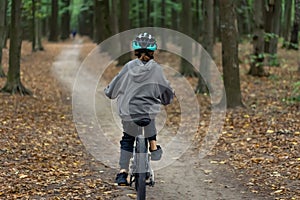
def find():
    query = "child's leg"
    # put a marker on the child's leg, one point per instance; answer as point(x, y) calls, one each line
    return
point(150, 133)
point(153, 145)
point(126, 151)
point(156, 151)
point(130, 130)
point(152, 142)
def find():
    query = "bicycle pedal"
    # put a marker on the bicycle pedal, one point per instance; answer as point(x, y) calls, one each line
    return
point(151, 183)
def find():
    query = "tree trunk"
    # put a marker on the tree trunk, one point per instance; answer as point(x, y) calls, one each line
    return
point(208, 29)
point(65, 20)
point(257, 61)
point(53, 37)
point(286, 25)
point(141, 13)
point(124, 25)
point(13, 83)
point(98, 26)
point(114, 17)
point(45, 23)
point(198, 21)
point(217, 34)
point(39, 28)
point(186, 68)
point(272, 25)
point(207, 41)
point(229, 35)
point(33, 20)
point(174, 14)
point(6, 25)
point(107, 25)
point(39, 34)
point(294, 42)
point(101, 21)
point(163, 24)
point(85, 19)
point(149, 10)
point(3, 30)
point(244, 23)
point(36, 26)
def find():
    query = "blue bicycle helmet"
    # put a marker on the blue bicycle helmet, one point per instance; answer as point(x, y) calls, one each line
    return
point(144, 41)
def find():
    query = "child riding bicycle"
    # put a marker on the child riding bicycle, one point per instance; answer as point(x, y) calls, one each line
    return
point(140, 88)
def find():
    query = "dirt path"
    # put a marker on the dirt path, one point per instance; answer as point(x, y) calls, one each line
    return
point(187, 178)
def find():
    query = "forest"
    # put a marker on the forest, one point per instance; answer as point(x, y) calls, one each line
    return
point(254, 45)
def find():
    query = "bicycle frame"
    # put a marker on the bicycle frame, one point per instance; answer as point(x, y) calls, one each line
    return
point(140, 167)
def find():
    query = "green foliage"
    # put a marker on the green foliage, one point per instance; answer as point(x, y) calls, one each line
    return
point(244, 9)
point(8, 13)
point(254, 58)
point(296, 92)
point(274, 77)
point(272, 59)
point(27, 10)
point(64, 9)
point(76, 6)
point(293, 46)
point(295, 95)
point(136, 7)
point(269, 36)
point(41, 9)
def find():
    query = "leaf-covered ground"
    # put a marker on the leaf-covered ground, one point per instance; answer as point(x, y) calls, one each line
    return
point(42, 156)
point(262, 141)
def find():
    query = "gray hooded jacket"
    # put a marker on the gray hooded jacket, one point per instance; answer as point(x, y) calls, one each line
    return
point(140, 90)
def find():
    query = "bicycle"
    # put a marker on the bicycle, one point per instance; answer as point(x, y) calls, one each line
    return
point(140, 169)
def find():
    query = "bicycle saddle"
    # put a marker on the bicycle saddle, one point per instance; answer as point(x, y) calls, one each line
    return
point(143, 122)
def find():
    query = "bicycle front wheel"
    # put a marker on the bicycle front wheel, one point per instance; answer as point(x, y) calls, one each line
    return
point(141, 173)
point(140, 186)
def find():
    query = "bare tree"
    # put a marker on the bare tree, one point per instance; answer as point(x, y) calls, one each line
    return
point(13, 83)
point(229, 35)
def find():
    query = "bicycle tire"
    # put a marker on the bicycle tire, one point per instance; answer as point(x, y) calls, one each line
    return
point(140, 176)
point(141, 186)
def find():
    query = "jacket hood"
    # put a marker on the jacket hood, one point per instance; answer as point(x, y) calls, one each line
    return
point(141, 72)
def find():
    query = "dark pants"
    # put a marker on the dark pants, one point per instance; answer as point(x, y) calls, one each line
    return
point(130, 131)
